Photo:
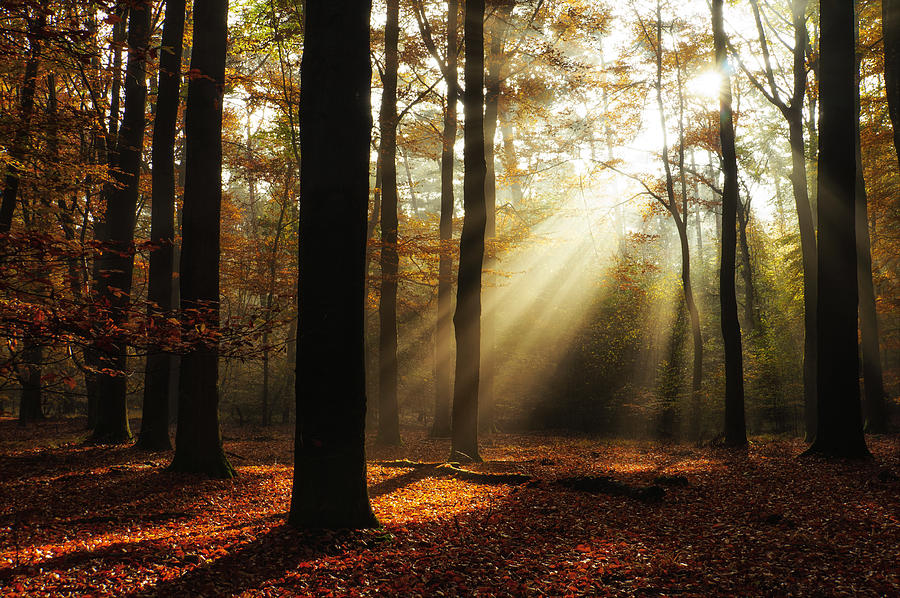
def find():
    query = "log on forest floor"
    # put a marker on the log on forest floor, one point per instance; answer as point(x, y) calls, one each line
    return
point(454, 470)
point(607, 485)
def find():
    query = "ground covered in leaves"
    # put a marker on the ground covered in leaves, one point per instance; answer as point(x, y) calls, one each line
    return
point(112, 521)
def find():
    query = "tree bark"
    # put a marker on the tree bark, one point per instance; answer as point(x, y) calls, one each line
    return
point(839, 429)
point(335, 122)
point(750, 316)
point(679, 216)
point(467, 319)
point(388, 409)
point(875, 407)
point(30, 398)
point(26, 109)
point(492, 82)
point(890, 24)
point(443, 349)
point(198, 442)
point(154, 433)
point(118, 259)
point(735, 427)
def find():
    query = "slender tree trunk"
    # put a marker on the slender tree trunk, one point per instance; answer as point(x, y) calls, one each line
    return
point(839, 429)
point(106, 153)
point(467, 319)
point(679, 216)
point(198, 442)
point(498, 26)
point(743, 220)
point(270, 302)
point(118, 262)
point(890, 24)
point(810, 268)
point(510, 159)
point(30, 397)
point(154, 433)
point(875, 407)
point(443, 349)
point(26, 109)
point(388, 408)
point(735, 427)
point(335, 123)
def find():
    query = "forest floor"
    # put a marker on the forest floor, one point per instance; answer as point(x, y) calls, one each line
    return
point(80, 520)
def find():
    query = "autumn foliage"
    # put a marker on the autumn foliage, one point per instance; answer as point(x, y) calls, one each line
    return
point(109, 521)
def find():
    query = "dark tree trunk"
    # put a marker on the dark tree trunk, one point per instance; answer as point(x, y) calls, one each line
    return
point(890, 24)
point(154, 433)
point(388, 410)
point(735, 427)
point(26, 109)
point(492, 82)
point(810, 269)
point(443, 350)
point(198, 442)
point(30, 397)
point(118, 259)
point(876, 418)
point(106, 153)
point(467, 319)
point(335, 122)
point(750, 316)
point(839, 429)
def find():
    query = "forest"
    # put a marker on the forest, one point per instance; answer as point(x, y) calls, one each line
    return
point(449, 297)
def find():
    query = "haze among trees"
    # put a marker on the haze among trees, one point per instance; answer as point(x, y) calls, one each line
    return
point(425, 252)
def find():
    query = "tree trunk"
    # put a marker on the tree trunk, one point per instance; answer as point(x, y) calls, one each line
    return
point(335, 123)
point(30, 397)
point(890, 24)
point(388, 409)
point(875, 407)
point(839, 429)
point(680, 219)
point(810, 269)
point(118, 261)
point(26, 109)
point(735, 427)
point(154, 433)
point(443, 349)
point(198, 443)
point(467, 319)
point(498, 26)
point(750, 316)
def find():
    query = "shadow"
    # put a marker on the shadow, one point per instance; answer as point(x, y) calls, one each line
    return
point(397, 482)
point(250, 566)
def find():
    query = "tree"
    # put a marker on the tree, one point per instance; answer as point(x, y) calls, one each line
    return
point(388, 410)
point(467, 319)
point(890, 23)
point(497, 27)
point(117, 261)
point(876, 417)
point(335, 120)
point(154, 433)
point(839, 429)
point(792, 111)
point(198, 442)
point(679, 213)
point(26, 108)
point(449, 70)
point(735, 427)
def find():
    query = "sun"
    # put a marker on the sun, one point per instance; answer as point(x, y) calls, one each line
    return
point(706, 85)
